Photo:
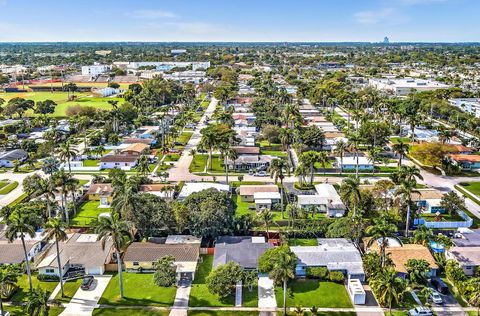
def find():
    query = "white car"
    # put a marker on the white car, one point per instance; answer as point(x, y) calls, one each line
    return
point(261, 174)
point(436, 298)
point(420, 311)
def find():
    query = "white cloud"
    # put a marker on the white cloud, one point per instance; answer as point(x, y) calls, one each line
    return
point(151, 14)
point(374, 16)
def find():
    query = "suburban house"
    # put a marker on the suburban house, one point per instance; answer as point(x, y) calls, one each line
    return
point(466, 162)
point(136, 149)
point(266, 200)
point(336, 254)
point(12, 252)
point(249, 162)
point(193, 187)
point(428, 200)
point(246, 191)
point(141, 256)
point(466, 250)
point(350, 163)
point(80, 253)
point(244, 250)
point(124, 162)
point(246, 150)
point(146, 132)
point(133, 140)
point(102, 192)
point(8, 159)
point(326, 200)
point(400, 253)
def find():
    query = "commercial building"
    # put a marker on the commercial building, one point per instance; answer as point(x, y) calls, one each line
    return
point(404, 86)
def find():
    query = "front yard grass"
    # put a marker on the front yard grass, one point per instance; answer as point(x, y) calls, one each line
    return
point(129, 312)
point(69, 289)
point(140, 290)
point(8, 187)
point(184, 137)
point(88, 211)
point(200, 296)
point(472, 187)
point(307, 293)
point(91, 163)
point(23, 287)
point(19, 311)
point(200, 161)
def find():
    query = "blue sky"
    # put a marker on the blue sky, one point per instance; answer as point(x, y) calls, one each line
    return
point(240, 20)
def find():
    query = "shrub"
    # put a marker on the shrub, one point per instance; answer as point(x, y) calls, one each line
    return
point(336, 276)
point(47, 277)
point(317, 273)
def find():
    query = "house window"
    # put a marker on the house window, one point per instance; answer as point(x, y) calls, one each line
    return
point(126, 164)
point(135, 263)
point(468, 268)
point(49, 271)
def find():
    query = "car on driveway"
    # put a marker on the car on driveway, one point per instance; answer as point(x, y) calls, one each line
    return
point(420, 311)
point(261, 174)
point(87, 283)
point(436, 298)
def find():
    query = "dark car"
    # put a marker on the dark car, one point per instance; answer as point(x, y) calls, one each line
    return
point(87, 282)
point(439, 285)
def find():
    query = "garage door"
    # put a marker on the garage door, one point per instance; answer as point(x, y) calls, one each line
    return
point(94, 270)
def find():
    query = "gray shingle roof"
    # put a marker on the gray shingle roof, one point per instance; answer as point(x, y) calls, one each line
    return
point(239, 249)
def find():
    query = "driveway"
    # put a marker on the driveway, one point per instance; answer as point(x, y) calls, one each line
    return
point(266, 292)
point(180, 305)
point(84, 302)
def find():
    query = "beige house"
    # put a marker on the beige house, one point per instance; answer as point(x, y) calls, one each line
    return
point(247, 192)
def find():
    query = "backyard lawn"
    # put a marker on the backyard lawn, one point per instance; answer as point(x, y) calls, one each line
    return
point(431, 217)
point(7, 186)
point(129, 312)
point(23, 289)
point(139, 291)
point(199, 295)
point(302, 242)
point(88, 212)
point(472, 187)
point(242, 207)
point(91, 163)
point(69, 289)
point(307, 293)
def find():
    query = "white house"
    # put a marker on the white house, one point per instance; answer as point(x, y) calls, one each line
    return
point(265, 200)
point(95, 70)
point(124, 162)
point(350, 163)
point(470, 105)
point(8, 159)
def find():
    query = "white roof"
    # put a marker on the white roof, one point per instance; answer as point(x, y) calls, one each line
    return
point(193, 187)
point(311, 200)
point(353, 161)
point(266, 196)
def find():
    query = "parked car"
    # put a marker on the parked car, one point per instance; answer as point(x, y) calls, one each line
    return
point(436, 298)
point(420, 311)
point(251, 172)
point(261, 174)
point(87, 282)
point(439, 285)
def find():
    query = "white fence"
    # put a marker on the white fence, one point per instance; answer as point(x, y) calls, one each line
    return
point(466, 223)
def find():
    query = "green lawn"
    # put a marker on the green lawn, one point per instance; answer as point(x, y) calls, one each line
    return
point(472, 187)
point(8, 187)
point(69, 289)
point(430, 217)
point(129, 312)
point(171, 157)
point(221, 313)
point(302, 242)
point(184, 137)
point(242, 207)
point(250, 298)
point(139, 291)
point(396, 140)
point(19, 311)
point(199, 295)
point(307, 293)
point(19, 199)
point(275, 153)
point(91, 162)
point(88, 212)
point(200, 161)
point(23, 289)
point(327, 165)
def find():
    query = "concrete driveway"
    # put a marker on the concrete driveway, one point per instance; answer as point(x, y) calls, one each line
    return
point(180, 305)
point(266, 292)
point(84, 302)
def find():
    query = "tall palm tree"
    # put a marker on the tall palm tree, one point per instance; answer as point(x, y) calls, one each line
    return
point(66, 153)
point(283, 270)
point(323, 159)
point(21, 224)
point(354, 140)
point(65, 181)
point(401, 149)
point(422, 235)
point(276, 168)
point(405, 191)
point(380, 231)
point(142, 166)
point(120, 232)
point(291, 115)
point(389, 286)
point(37, 302)
point(286, 137)
point(50, 165)
point(267, 218)
point(208, 142)
point(309, 159)
point(340, 148)
point(56, 231)
point(351, 189)
point(124, 200)
point(301, 172)
point(72, 187)
point(8, 280)
point(228, 153)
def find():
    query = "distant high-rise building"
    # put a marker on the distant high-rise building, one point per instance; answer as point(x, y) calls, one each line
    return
point(386, 40)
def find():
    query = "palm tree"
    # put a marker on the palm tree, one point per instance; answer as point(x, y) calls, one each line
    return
point(66, 154)
point(301, 172)
point(65, 181)
point(37, 302)
point(208, 142)
point(291, 114)
point(340, 148)
point(286, 137)
point(380, 231)
point(401, 149)
point(389, 286)
point(228, 153)
point(354, 140)
point(21, 224)
point(276, 168)
point(120, 232)
point(323, 159)
point(267, 218)
point(309, 159)
point(50, 165)
point(8, 280)
point(283, 270)
point(405, 191)
point(422, 235)
point(124, 200)
point(351, 189)
point(56, 231)
point(143, 164)
point(72, 187)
